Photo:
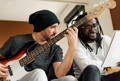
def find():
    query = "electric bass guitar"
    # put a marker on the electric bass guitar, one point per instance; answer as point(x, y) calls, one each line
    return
point(16, 66)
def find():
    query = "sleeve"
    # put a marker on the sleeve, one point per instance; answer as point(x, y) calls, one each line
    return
point(58, 54)
point(83, 59)
point(5, 50)
point(107, 39)
point(105, 44)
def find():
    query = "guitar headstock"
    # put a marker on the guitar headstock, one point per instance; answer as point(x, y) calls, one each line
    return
point(99, 9)
point(111, 4)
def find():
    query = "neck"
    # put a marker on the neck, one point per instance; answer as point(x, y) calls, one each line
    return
point(38, 37)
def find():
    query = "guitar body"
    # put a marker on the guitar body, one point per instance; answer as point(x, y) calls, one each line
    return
point(14, 68)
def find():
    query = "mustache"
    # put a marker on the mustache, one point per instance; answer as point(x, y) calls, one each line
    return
point(92, 33)
point(54, 34)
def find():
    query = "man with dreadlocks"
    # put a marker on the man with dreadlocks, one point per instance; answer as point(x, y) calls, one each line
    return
point(91, 52)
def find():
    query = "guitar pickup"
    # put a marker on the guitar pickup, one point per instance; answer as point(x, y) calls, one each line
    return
point(10, 70)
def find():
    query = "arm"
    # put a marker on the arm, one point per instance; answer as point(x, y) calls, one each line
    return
point(61, 68)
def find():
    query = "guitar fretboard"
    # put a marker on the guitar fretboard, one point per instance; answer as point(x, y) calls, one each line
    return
point(32, 55)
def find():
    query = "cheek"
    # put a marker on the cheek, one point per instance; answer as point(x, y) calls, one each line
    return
point(85, 32)
point(50, 33)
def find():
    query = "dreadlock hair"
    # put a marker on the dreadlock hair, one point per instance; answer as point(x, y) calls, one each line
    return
point(98, 38)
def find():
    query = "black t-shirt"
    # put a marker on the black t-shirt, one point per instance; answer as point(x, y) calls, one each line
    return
point(46, 58)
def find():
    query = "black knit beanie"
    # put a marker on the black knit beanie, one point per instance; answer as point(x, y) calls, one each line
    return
point(42, 19)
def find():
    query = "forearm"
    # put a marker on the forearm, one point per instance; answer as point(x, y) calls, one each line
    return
point(65, 66)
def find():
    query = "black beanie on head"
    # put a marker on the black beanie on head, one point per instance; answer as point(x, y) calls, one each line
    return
point(42, 19)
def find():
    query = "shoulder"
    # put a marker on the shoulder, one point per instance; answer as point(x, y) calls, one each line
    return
point(80, 45)
point(80, 48)
point(21, 38)
point(56, 47)
point(106, 39)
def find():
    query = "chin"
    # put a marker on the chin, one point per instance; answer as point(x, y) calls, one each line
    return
point(92, 39)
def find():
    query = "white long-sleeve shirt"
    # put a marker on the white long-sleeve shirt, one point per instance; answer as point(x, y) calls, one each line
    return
point(84, 57)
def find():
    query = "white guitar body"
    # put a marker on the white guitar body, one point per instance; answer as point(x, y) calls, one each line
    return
point(17, 70)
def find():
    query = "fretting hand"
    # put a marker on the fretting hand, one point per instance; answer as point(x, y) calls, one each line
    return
point(72, 37)
point(3, 70)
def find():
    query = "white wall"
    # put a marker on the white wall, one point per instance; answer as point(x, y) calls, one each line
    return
point(106, 22)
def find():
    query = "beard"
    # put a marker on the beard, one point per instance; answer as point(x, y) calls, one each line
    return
point(90, 39)
point(87, 38)
point(49, 37)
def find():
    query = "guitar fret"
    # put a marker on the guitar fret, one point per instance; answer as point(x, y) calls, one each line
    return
point(25, 60)
point(50, 42)
point(22, 62)
point(39, 49)
point(35, 51)
point(45, 46)
point(31, 56)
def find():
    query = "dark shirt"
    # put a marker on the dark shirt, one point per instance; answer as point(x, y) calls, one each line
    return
point(44, 60)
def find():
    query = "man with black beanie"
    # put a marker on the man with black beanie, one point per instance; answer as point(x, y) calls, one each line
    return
point(45, 25)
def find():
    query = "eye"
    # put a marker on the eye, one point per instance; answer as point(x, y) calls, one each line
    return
point(88, 26)
point(53, 27)
point(95, 25)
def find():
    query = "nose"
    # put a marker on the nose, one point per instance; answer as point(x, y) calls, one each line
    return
point(56, 30)
point(92, 29)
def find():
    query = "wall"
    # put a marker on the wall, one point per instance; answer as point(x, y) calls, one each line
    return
point(10, 28)
point(106, 22)
point(115, 13)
